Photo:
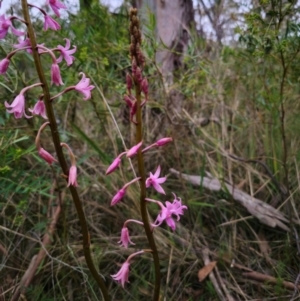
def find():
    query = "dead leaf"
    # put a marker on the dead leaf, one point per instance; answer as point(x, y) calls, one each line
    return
point(204, 272)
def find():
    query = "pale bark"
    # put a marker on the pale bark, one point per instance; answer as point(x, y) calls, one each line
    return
point(173, 21)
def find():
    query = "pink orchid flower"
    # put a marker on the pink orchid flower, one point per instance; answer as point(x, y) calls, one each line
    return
point(17, 107)
point(55, 75)
point(39, 109)
point(125, 238)
point(84, 87)
point(56, 6)
point(65, 53)
point(176, 208)
point(122, 275)
point(50, 23)
point(73, 176)
point(5, 24)
point(26, 43)
point(155, 181)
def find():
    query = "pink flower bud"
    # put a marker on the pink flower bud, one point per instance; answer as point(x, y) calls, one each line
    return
point(133, 151)
point(163, 141)
point(133, 66)
point(118, 197)
point(46, 156)
point(128, 100)
point(133, 110)
point(138, 74)
point(55, 75)
point(128, 82)
point(4, 65)
point(113, 166)
point(144, 86)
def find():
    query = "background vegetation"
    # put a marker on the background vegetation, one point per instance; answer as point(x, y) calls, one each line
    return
point(240, 100)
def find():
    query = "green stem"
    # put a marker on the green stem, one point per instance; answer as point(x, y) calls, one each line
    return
point(60, 155)
point(143, 203)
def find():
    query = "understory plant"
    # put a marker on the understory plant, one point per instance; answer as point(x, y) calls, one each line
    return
point(136, 99)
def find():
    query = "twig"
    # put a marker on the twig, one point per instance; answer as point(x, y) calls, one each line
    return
point(270, 279)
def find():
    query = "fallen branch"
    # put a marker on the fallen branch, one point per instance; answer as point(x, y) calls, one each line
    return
point(267, 214)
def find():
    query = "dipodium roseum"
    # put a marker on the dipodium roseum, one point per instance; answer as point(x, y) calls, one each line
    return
point(73, 176)
point(46, 156)
point(155, 181)
point(65, 53)
point(39, 109)
point(4, 65)
point(123, 274)
point(168, 211)
point(118, 196)
point(121, 193)
point(125, 238)
point(134, 150)
point(55, 75)
point(56, 6)
point(50, 23)
point(18, 105)
point(5, 24)
point(113, 166)
point(84, 87)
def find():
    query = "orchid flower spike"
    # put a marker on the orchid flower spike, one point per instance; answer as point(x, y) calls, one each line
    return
point(4, 63)
point(41, 151)
point(155, 181)
point(72, 178)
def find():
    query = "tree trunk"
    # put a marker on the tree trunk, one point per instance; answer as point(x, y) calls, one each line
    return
point(173, 21)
